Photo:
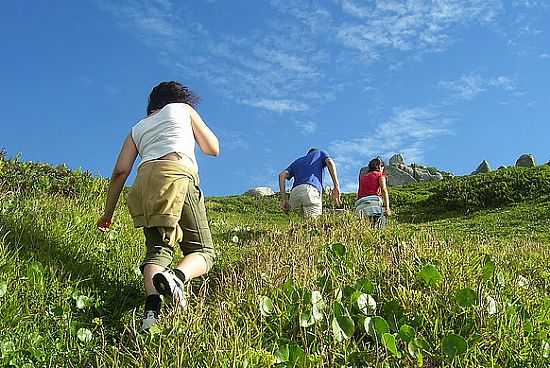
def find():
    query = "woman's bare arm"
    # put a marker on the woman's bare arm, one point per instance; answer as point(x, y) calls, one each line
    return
point(122, 170)
point(206, 139)
point(385, 195)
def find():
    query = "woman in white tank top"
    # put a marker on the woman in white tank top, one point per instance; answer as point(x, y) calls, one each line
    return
point(165, 199)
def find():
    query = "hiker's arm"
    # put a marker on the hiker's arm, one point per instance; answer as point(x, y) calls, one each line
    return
point(385, 195)
point(208, 142)
point(334, 176)
point(122, 170)
point(282, 189)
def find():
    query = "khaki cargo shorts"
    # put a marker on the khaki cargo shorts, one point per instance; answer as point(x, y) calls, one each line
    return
point(307, 200)
point(155, 188)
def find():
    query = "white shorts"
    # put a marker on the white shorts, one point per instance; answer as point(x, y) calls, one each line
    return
point(306, 199)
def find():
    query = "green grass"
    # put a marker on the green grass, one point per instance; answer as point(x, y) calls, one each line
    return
point(284, 288)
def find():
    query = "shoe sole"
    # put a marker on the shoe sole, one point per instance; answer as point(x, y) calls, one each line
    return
point(162, 285)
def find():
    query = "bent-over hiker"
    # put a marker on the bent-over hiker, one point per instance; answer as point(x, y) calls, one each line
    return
point(373, 201)
point(165, 199)
point(306, 195)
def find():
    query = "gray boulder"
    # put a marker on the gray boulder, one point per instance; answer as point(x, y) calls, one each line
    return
point(399, 173)
point(260, 192)
point(397, 177)
point(526, 160)
point(397, 160)
point(483, 168)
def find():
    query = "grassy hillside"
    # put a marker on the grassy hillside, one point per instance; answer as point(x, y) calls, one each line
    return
point(460, 278)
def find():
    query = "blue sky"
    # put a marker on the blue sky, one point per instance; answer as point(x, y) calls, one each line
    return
point(448, 83)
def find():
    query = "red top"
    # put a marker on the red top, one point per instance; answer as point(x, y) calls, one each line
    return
point(369, 184)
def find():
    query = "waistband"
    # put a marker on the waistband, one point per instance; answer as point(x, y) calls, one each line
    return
point(167, 167)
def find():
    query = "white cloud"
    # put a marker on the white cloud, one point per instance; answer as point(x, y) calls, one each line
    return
point(277, 105)
point(306, 127)
point(469, 86)
point(381, 25)
point(264, 69)
point(406, 132)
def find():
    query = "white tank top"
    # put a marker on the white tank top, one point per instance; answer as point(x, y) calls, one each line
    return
point(168, 130)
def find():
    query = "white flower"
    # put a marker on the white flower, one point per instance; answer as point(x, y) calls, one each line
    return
point(235, 239)
point(523, 282)
point(491, 305)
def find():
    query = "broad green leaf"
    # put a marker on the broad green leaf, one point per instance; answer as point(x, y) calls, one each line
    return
point(379, 326)
point(84, 335)
point(466, 297)
point(388, 340)
point(365, 286)
point(266, 306)
point(393, 312)
point(3, 288)
point(325, 283)
point(296, 355)
point(338, 309)
point(453, 345)
point(347, 325)
point(342, 325)
point(430, 274)
point(407, 333)
point(338, 249)
point(339, 335)
point(306, 319)
point(282, 354)
point(366, 304)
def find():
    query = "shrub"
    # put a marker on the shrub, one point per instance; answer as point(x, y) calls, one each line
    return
point(495, 189)
point(31, 177)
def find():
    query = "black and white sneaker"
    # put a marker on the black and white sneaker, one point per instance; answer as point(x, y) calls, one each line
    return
point(150, 318)
point(170, 286)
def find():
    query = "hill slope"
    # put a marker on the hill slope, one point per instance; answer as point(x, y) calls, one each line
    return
point(459, 278)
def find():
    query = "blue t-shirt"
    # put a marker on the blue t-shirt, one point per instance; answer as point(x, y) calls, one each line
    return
point(309, 169)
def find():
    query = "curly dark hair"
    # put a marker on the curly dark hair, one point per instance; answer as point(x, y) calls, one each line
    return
point(376, 164)
point(170, 92)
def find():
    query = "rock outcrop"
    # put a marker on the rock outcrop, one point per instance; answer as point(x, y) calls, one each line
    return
point(260, 192)
point(526, 160)
point(399, 173)
point(483, 168)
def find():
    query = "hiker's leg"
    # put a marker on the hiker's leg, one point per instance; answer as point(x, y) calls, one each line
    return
point(149, 270)
point(197, 245)
point(157, 259)
point(313, 203)
point(295, 200)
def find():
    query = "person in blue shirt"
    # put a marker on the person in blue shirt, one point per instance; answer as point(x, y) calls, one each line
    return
point(307, 189)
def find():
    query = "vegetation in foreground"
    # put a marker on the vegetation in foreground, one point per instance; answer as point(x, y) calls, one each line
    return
point(460, 278)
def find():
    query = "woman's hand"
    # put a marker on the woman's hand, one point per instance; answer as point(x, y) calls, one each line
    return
point(388, 212)
point(104, 223)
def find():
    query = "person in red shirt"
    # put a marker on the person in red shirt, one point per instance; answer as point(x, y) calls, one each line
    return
point(373, 200)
